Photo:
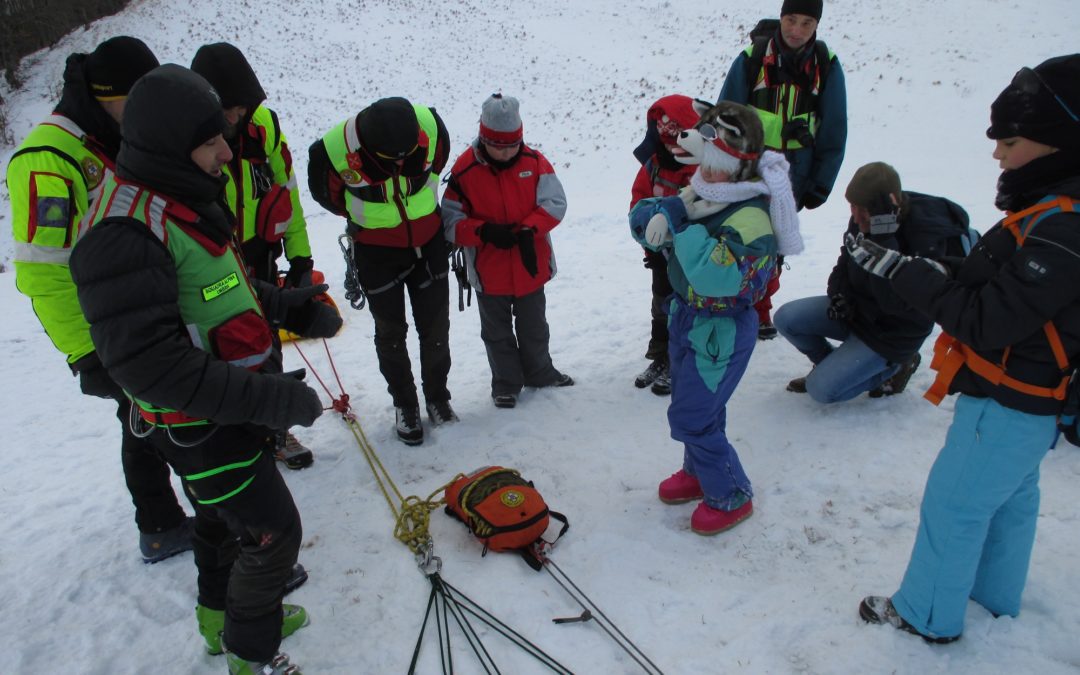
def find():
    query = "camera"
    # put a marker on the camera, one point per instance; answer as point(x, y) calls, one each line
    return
point(798, 130)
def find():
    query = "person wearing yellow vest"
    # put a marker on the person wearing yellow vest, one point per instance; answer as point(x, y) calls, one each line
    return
point(181, 327)
point(262, 192)
point(798, 90)
point(1011, 316)
point(380, 170)
point(54, 178)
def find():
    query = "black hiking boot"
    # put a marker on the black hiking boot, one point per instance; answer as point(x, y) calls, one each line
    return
point(898, 382)
point(296, 579)
point(408, 426)
point(878, 609)
point(649, 375)
point(504, 400)
point(661, 386)
point(798, 385)
point(440, 413)
point(157, 546)
point(766, 330)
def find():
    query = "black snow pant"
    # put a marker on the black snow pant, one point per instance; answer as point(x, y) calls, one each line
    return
point(247, 529)
point(147, 478)
point(515, 333)
point(661, 296)
point(385, 272)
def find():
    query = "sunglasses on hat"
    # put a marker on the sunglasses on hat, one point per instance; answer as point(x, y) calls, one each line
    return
point(1029, 81)
point(710, 133)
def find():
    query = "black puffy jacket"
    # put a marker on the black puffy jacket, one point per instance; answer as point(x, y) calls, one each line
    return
point(1000, 298)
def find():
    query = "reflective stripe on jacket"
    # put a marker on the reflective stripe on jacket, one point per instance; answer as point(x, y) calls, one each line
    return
point(53, 178)
point(217, 304)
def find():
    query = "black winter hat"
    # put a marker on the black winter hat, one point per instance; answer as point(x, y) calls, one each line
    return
point(114, 66)
point(171, 111)
point(806, 7)
point(225, 67)
point(1041, 104)
point(389, 127)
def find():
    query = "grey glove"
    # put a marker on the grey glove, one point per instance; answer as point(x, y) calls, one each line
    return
point(880, 261)
point(298, 404)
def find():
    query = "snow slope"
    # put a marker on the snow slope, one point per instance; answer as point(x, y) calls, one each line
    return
point(837, 488)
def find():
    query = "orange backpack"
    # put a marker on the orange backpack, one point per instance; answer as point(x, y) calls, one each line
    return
point(503, 510)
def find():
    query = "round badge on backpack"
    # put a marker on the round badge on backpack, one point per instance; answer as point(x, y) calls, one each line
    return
point(512, 499)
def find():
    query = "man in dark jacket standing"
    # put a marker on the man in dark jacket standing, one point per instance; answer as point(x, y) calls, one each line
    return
point(178, 325)
point(796, 85)
point(380, 170)
point(879, 333)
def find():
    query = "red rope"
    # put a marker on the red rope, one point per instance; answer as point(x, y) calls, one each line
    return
point(338, 404)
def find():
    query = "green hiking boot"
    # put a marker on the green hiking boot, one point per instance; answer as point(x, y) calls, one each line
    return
point(279, 665)
point(212, 623)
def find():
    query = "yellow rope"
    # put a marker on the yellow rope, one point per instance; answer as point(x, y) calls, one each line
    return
point(412, 515)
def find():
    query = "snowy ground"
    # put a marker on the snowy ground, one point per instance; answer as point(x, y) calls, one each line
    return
point(837, 489)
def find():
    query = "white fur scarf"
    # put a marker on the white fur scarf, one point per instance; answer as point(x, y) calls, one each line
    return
point(773, 169)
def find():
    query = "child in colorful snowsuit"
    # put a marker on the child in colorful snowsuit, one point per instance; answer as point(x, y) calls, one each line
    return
point(1011, 315)
point(661, 175)
point(501, 202)
point(722, 247)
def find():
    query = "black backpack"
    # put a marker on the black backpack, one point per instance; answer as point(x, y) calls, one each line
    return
point(936, 227)
point(760, 36)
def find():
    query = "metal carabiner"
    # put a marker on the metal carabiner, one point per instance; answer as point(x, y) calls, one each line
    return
point(353, 293)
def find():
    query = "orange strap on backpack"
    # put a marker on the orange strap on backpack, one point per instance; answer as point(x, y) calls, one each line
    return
point(950, 354)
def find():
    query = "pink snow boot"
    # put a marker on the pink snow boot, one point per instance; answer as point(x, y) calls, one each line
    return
point(680, 488)
point(708, 521)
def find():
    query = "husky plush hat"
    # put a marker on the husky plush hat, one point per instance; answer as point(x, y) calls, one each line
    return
point(729, 138)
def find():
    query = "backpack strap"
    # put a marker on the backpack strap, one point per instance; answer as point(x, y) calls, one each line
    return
point(950, 353)
point(757, 57)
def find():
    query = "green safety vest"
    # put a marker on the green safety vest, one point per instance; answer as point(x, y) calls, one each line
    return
point(776, 106)
point(54, 178)
point(217, 304)
point(343, 148)
point(251, 182)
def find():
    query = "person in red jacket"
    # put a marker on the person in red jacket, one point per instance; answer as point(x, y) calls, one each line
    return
point(501, 202)
point(661, 175)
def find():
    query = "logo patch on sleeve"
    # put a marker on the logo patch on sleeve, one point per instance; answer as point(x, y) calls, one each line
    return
point(1034, 269)
point(53, 212)
point(220, 288)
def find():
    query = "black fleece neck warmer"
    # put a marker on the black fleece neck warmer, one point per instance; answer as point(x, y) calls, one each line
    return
point(79, 106)
point(496, 163)
point(169, 113)
point(1055, 173)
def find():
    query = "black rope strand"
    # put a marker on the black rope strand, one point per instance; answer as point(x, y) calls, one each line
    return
point(469, 605)
point(601, 619)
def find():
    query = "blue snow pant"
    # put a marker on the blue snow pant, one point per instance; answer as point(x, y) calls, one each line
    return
point(977, 522)
point(709, 353)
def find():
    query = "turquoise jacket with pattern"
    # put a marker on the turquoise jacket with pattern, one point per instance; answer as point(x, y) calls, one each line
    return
point(720, 262)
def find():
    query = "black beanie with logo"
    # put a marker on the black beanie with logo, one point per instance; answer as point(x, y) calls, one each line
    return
point(114, 66)
point(804, 7)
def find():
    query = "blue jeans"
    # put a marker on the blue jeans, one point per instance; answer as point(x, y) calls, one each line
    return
point(977, 520)
point(708, 355)
point(840, 373)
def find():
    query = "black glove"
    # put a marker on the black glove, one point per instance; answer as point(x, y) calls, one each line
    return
point(297, 404)
point(812, 199)
point(94, 380)
point(881, 261)
point(314, 320)
point(499, 236)
point(839, 308)
point(526, 241)
point(883, 214)
point(299, 274)
point(278, 302)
